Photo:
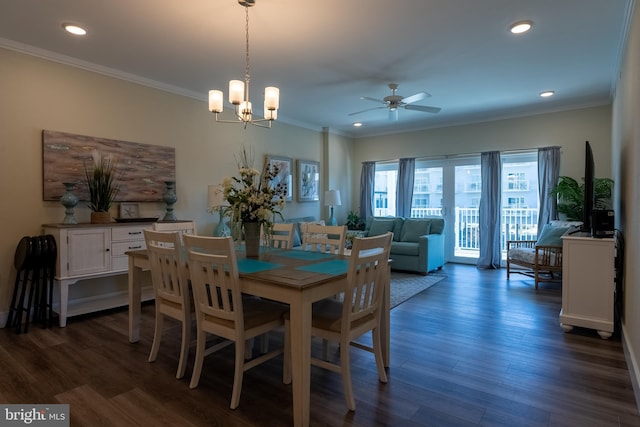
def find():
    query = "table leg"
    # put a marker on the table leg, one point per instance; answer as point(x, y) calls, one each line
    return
point(135, 300)
point(385, 323)
point(300, 325)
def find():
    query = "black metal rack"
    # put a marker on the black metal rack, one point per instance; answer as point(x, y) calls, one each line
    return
point(35, 263)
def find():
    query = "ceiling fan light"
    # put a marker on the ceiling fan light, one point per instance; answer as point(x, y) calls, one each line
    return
point(547, 93)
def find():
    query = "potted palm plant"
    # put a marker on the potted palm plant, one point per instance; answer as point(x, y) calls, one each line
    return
point(570, 194)
point(103, 187)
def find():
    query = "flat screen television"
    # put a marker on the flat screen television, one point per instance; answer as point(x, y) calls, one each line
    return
point(589, 194)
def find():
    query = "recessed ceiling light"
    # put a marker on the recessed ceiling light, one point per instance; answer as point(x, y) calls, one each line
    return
point(357, 124)
point(520, 27)
point(74, 29)
point(547, 93)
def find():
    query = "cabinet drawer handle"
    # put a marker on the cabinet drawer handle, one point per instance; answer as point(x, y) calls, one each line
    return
point(135, 232)
point(135, 247)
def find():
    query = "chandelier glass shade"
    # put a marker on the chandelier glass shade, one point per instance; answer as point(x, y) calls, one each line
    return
point(239, 92)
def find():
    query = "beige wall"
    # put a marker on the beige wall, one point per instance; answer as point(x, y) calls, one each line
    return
point(626, 164)
point(37, 94)
point(568, 130)
point(338, 154)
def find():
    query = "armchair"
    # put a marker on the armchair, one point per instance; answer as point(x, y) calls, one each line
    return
point(539, 259)
point(543, 263)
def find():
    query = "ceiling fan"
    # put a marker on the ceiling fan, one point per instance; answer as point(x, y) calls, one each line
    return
point(393, 102)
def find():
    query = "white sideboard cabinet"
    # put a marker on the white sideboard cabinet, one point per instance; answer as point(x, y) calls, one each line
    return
point(88, 251)
point(588, 283)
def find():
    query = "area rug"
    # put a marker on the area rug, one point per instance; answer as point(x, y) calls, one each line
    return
point(405, 285)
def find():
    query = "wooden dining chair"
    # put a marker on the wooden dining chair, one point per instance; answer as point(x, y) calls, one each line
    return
point(182, 227)
point(222, 311)
point(282, 236)
point(359, 312)
point(325, 238)
point(171, 288)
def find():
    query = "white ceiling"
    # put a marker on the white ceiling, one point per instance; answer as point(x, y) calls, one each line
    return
point(325, 55)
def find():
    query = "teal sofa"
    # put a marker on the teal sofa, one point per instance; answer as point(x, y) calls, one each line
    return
point(418, 243)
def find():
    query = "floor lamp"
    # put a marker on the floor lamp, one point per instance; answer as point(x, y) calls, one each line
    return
point(332, 198)
point(216, 202)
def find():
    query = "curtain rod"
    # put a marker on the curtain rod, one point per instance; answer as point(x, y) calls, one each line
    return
point(453, 156)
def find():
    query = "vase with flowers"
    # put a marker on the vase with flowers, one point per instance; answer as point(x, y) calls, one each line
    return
point(254, 201)
point(103, 186)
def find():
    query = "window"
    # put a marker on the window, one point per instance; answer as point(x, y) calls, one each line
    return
point(471, 179)
point(384, 197)
point(515, 202)
point(519, 197)
point(517, 181)
point(427, 190)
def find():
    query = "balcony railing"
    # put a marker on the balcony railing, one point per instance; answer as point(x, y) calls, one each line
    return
point(515, 223)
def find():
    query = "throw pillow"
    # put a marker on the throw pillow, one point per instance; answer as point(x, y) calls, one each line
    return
point(414, 228)
point(551, 236)
point(381, 226)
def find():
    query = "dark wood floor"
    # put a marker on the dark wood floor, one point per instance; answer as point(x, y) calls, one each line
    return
point(472, 350)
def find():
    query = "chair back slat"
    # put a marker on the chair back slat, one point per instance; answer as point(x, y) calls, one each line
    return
point(367, 277)
point(325, 238)
point(181, 227)
point(168, 270)
point(214, 278)
point(282, 236)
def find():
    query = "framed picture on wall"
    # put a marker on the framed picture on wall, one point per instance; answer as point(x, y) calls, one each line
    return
point(308, 180)
point(285, 173)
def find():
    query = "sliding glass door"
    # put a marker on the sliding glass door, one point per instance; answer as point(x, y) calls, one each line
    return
point(451, 188)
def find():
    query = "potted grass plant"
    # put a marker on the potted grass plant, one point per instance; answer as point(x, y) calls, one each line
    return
point(103, 186)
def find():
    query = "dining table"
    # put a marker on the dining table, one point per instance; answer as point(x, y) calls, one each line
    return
point(294, 277)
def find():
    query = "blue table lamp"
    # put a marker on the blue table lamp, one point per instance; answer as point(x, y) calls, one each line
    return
point(216, 202)
point(332, 198)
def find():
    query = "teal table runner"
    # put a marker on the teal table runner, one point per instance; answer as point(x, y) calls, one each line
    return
point(248, 265)
point(335, 267)
point(306, 255)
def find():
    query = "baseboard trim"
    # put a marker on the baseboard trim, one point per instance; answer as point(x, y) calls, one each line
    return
point(632, 366)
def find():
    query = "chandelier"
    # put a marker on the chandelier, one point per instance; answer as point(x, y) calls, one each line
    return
point(239, 91)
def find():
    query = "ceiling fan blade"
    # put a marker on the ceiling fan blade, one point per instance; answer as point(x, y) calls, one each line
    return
point(415, 98)
point(423, 108)
point(379, 101)
point(364, 111)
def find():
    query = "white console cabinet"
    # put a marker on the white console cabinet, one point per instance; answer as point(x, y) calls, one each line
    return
point(588, 283)
point(87, 251)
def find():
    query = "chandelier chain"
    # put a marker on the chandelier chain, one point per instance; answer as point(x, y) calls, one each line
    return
point(247, 75)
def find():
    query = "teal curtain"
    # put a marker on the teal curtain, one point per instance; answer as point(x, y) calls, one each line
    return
point(490, 203)
point(367, 181)
point(548, 175)
point(404, 188)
